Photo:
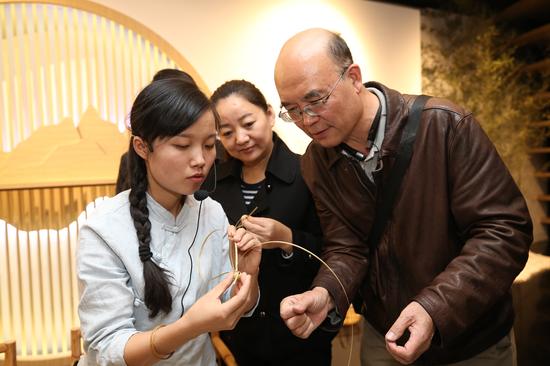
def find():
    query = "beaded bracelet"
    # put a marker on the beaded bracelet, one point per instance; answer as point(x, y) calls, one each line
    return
point(152, 344)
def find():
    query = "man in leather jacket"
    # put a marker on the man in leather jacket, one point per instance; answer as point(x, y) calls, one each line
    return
point(458, 235)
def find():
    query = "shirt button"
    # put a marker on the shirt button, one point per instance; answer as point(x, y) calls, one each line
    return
point(262, 314)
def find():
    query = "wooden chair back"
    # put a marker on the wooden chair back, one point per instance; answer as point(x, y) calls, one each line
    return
point(223, 354)
point(76, 345)
point(9, 350)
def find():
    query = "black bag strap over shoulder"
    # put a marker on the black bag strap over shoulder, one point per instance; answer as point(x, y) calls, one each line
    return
point(402, 160)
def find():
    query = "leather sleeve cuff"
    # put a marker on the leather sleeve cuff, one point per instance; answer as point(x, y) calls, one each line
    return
point(333, 321)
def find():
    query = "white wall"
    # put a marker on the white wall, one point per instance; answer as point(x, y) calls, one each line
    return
point(240, 39)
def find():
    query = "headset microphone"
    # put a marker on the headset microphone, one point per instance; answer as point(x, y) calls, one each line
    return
point(203, 194)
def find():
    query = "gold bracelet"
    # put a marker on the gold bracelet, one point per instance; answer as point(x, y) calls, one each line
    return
point(152, 344)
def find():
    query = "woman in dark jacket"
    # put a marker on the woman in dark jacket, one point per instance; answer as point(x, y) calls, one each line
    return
point(261, 174)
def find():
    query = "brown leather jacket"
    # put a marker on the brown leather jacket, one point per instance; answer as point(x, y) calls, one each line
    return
point(458, 236)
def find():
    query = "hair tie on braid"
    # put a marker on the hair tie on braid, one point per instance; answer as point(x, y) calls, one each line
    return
point(145, 253)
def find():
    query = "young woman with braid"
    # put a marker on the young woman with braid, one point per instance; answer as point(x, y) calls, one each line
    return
point(149, 259)
point(123, 177)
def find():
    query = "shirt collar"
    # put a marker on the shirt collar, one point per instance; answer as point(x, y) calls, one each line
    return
point(158, 213)
point(334, 154)
point(278, 165)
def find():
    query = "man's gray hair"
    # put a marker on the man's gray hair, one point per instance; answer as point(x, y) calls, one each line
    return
point(339, 51)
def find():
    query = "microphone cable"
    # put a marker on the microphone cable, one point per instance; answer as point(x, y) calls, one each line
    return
point(191, 258)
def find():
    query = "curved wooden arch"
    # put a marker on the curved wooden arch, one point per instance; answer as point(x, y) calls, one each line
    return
point(130, 23)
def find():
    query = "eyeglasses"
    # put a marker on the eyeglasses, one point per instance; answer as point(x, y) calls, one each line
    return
point(312, 109)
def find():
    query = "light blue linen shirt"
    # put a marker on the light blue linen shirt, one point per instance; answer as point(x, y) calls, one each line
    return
point(110, 274)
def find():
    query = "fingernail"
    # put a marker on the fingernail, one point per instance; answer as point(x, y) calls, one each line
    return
point(390, 336)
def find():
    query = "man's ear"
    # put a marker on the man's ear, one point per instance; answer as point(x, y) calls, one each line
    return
point(354, 74)
point(140, 147)
point(271, 115)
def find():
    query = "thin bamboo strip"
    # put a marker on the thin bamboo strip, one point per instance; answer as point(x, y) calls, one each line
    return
point(65, 274)
point(38, 198)
point(73, 205)
point(156, 63)
point(3, 31)
point(25, 204)
point(66, 207)
point(148, 65)
point(109, 81)
point(91, 56)
point(26, 277)
point(87, 72)
point(120, 70)
point(140, 61)
point(73, 240)
point(18, 79)
point(19, 294)
point(59, 67)
point(135, 84)
point(56, 205)
point(42, 220)
point(73, 91)
point(11, 285)
point(65, 288)
point(9, 93)
point(106, 79)
point(36, 304)
point(13, 204)
point(5, 292)
point(16, 288)
point(4, 138)
point(37, 67)
point(4, 204)
point(64, 62)
point(123, 80)
point(115, 91)
point(48, 75)
point(46, 286)
point(81, 63)
point(27, 74)
point(26, 297)
point(165, 60)
point(99, 92)
point(40, 342)
point(55, 293)
point(53, 256)
point(38, 269)
point(54, 83)
point(78, 75)
point(4, 133)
